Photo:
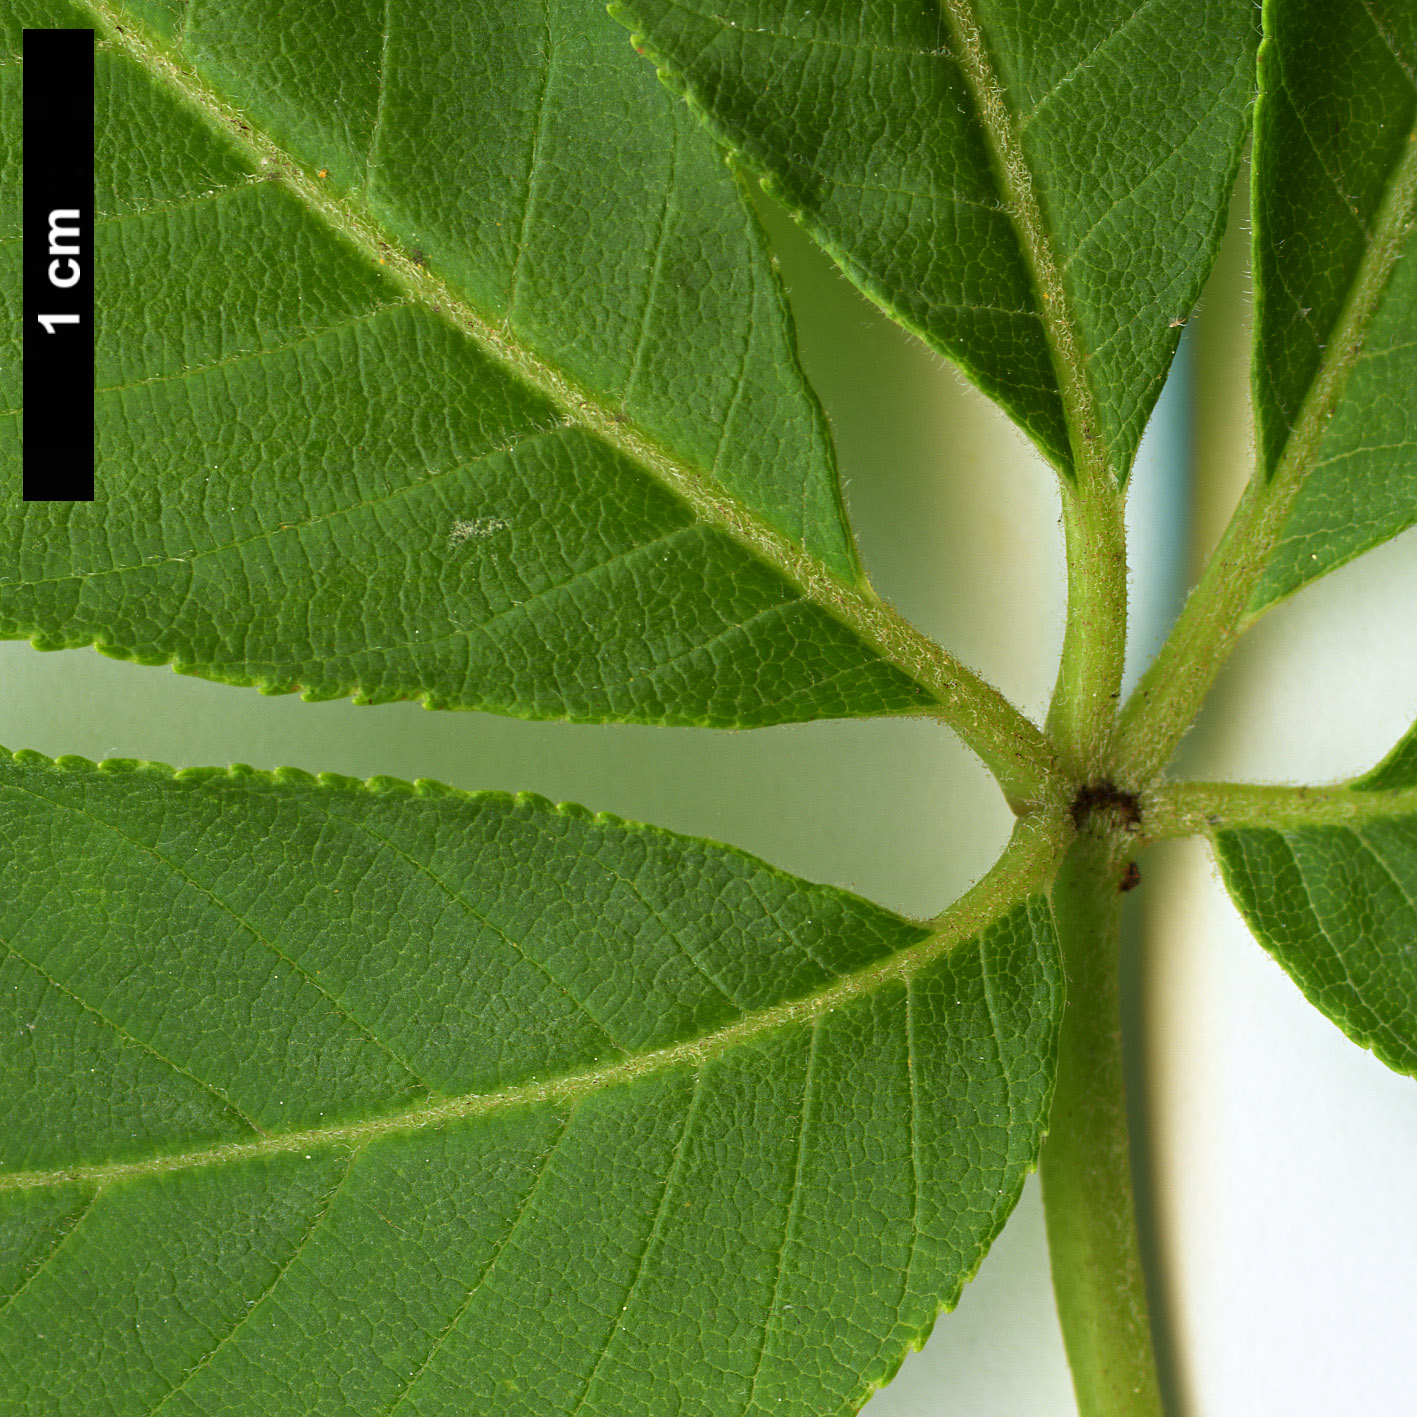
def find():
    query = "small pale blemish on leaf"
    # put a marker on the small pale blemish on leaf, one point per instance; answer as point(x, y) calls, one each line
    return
point(475, 529)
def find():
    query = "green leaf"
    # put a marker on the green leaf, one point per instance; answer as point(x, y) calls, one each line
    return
point(438, 357)
point(1397, 770)
point(348, 1098)
point(1038, 190)
point(1335, 201)
point(1331, 893)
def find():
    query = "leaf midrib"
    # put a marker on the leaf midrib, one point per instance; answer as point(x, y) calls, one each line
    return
point(1275, 496)
point(1023, 870)
point(1091, 457)
point(1011, 745)
point(1392, 229)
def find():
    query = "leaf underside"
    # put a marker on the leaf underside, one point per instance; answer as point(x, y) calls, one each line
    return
point(862, 120)
point(410, 338)
point(1335, 185)
point(1397, 770)
point(1337, 907)
point(1335, 129)
point(348, 1098)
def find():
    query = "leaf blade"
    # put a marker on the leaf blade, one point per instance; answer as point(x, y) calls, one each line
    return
point(807, 1102)
point(1023, 189)
point(1334, 906)
point(1327, 881)
point(1335, 188)
point(565, 243)
point(332, 331)
point(1397, 770)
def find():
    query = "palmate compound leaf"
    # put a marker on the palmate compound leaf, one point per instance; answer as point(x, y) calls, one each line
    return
point(1035, 188)
point(1335, 203)
point(334, 1098)
point(1335, 902)
point(438, 356)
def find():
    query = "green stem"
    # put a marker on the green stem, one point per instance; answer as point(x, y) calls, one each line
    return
point(1197, 808)
point(1094, 643)
point(1086, 1167)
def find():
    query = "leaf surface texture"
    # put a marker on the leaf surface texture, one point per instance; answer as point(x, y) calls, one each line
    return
point(1336, 903)
point(1028, 186)
point(1335, 201)
point(438, 356)
point(1397, 770)
point(347, 1098)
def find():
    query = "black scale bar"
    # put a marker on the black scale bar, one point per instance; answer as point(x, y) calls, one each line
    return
point(57, 243)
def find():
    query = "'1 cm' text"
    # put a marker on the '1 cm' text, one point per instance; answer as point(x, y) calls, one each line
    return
point(63, 241)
